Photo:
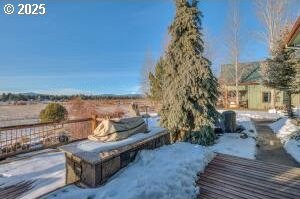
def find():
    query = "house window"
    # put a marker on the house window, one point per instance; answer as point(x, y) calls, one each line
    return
point(266, 97)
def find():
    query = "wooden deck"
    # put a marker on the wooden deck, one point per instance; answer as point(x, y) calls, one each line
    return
point(226, 177)
point(229, 177)
point(15, 191)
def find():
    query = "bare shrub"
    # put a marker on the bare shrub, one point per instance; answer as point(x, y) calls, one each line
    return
point(79, 108)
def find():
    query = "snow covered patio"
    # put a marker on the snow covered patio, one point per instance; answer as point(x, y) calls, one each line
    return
point(151, 171)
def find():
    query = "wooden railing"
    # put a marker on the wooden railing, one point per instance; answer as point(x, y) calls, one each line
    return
point(23, 138)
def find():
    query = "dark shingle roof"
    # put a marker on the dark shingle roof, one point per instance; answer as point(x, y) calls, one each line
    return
point(248, 72)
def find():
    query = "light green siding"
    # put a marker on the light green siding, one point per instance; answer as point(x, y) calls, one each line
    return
point(254, 96)
point(232, 88)
point(296, 100)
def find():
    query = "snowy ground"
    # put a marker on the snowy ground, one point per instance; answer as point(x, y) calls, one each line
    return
point(258, 114)
point(167, 172)
point(175, 168)
point(296, 111)
point(46, 167)
point(285, 130)
point(232, 144)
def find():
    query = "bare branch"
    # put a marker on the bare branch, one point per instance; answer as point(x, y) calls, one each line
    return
point(273, 14)
point(148, 66)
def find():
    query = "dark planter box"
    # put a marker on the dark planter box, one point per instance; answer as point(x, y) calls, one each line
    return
point(91, 173)
point(296, 121)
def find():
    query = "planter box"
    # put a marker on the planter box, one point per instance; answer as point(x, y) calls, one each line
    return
point(95, 166)
point(296, 121)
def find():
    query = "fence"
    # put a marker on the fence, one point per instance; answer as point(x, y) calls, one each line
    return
point(22, 138)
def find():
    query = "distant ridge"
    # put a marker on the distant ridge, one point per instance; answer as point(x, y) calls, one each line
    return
point(33, 96)
point(30, 94)
point(101, 95)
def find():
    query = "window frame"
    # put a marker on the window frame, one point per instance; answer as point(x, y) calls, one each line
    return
point(268, 93)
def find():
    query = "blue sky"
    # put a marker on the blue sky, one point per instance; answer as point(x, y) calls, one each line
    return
point(98, 47)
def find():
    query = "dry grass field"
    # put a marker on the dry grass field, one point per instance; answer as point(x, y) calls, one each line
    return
point(19, 114)
point(26, 114)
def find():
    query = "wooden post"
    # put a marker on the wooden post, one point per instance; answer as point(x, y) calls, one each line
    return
point(94, 122)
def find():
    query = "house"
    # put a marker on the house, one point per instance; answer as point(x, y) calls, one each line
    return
point(293, 42)
point(253, 94)
point(293, 39)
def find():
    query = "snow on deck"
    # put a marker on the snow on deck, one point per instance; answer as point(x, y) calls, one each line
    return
point(167, 172)
point(46, 168)
point(89, 150)
point(284, 129)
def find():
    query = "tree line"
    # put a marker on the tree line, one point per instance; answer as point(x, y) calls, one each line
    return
point(8, 97)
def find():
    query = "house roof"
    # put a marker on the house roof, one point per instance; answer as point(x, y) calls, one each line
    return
point(248, 73)
point(293, 39)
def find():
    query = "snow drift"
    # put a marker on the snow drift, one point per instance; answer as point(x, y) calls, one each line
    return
point(167, 172)
point(285, 131)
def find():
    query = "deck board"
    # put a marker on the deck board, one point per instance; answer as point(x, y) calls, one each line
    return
point(231, 177)
point(16, 190)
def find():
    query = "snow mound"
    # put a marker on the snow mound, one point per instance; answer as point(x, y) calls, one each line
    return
point(284, 130)
point(259, 114)
point(270, 115)
point(293, 148)
point(296, 111)
point(232, 144)
point(167, 172)
point(272, 110)
point(247, 123)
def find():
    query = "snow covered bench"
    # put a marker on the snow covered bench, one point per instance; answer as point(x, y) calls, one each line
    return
point(91, 163)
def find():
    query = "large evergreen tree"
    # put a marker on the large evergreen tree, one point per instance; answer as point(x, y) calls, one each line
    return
point(281, 71)
point(190, 90)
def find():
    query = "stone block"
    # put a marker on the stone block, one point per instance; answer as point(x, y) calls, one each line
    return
point(159, 142)
point(81, 168)
point(71, 176)
point(296, 121)
point(127, 157)
point(110, 167)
